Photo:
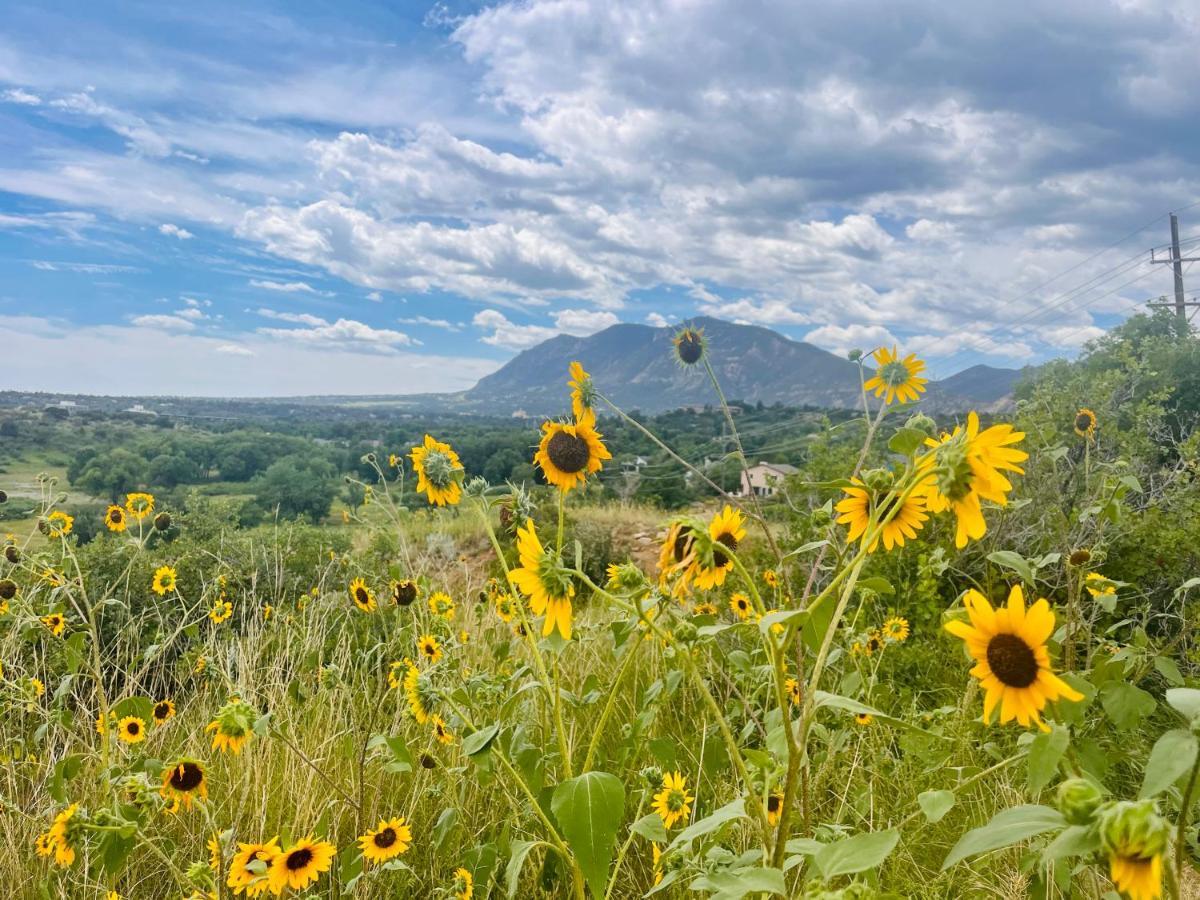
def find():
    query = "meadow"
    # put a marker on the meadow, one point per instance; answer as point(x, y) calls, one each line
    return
point(950, 659)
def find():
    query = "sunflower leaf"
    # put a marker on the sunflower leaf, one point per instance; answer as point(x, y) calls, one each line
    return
point(516, 861)
point(1045, 752)
point(737, 884)
point(589, 809)
point(1010, 559)
point(1011, 826)
point(856, 854)
point(935, 804)
point(735, 809)
point(1185, 701)
point(906, 441)
point(1174, 754)
point(480, 740)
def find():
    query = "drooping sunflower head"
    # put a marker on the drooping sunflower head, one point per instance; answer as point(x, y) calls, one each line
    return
point(463, 886)
point(1012, 660)
point(774, 807)
point(64, 834)
point(300, 865)
point(881, 512)
point(58, 524)
point(896, 378)
point(233, 726)
point(677, 554)
point(792, 687)
point(419, 692)
point(362, 595)
point(162, 522)
point(8, 589)
point(404, 592)
point(545, 581)
point(139, 505)
point(164, 580)
point(713, 548)
point(441, 730)
point(1099, 586)
point(583, 392)
point(428, 648)
point(163, 710)
point(1085, 423)
point(184, 781)
point(131, 730)
point(1134, 837)
point(570, 451)
point(387, 840)
point(439, 472)
point(114, 519)
point(690, 345)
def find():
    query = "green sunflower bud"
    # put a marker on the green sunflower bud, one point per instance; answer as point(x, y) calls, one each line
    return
point(685, 632)
point(953, 470)
point(1133, 829)
point(1078, 799)
point(878, 479)
point(922, 422)
point(653, 776)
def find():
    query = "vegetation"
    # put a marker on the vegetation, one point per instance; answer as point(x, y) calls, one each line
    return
point(953, 661)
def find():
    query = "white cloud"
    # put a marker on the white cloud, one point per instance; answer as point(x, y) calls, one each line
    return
point(508, 335)
point(194, 313)
point(297, 318)
point(192, 301)
point(348, 333)
point(163, 323)
point(375, 297)
point(657, 320)
point(233, 350)
point(582, 322)
point(21, 97)
point(432, 323)
point(284, 287)
point(766, 312)
point(175, 231)
point(83, 268)
point(842, 339)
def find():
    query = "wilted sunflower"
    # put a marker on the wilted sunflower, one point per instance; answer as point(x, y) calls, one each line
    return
point(1085, 423)
point(232, 727)
point(673, 802)
point(164, 581)
point(429, 649)
point(163, 710)
point(56, 622)
point(184, 781)
point(301, 864)
point(543, 580)
point(363, 596)
point(221, 610)
point(726, 530)
point(690, 345)
point(873, 644)
point(114, 519)
point(439, 472)
point(8, 589)
point(62, 835)
point(568, 453)
point(774, 807)
point(583, 392)
point(966, 467)
point(59, 524)
point(862, 505)
point(131, 730)
point(1013, 664)
point(895, 377)
point(740, 604)
point(249, 866)
point(139, 505)
point(442, 604)
point(389, 839)
point(418, 693)
point(441, 730)
point(896, 629)
point(464, 885)
point(404, 592)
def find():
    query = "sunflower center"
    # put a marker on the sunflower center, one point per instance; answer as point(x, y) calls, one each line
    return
point(682, 545)
point(115, 515)
point(727, 540)
point(1012, 661)
point(429, 650)
point(298, 859)
point(893, 373)
point(187, 777)
point(385, 838)
point(1083, 422)
point(773, 804)
point(405, 593)
point(133, 727)
point(160, 711)
point(690, 347)
point(360, 594)
point(568, 452)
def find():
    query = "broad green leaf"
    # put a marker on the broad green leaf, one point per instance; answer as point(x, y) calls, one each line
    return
point(1005, 829)
point(651, 828)
point(1126, 704)
point(478, 741)
point(735, 809)
point(516, 860)
point(935, 804)
point(444, 825)
point(878, 584)
point(1174, 754)
point(1045, 751)
point(906, 441)
point(1075, 840)
point(1009, 559)
point(401, 760)
point(1185, 701)
point(589, 810)
point(779, 616)
point(837, 701)
point(1169, 670)
point(856, 854)
point(736, 885)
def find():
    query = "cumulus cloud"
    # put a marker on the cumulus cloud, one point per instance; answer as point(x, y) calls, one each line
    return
point(348, 333)
point(766, 312)
point(432, 323)
point(163, 323)
point(508, 335)
point(175, 231)
point(657, 320)
point(21, 97)
point(284, 287)
point(841, 339)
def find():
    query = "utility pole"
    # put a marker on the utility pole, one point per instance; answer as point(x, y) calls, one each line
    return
point(1176, 259)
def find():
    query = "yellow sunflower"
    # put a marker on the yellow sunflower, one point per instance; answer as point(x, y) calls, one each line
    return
point(418, 694)
point(114, 519)
point(429, 649)
point(770, 579)
point(441, 730)
point(542, 579)
point(164, 580)
point(139, 505)
point(966, 467)
point(439, 472)
point(442, 605)
point(673, 802)
point(1085, 423)
point(1134, 837)
point(505, 607)
point(464, 885)
point(1099, 586)
point(387, 840)
point(43, 844)
point(862, 506)
point(895, 377)
point(394, 678)
point(221, 610)
point(774, 807)
point(704, 609)
point(62, 835)
point(163, 710)
point(896, 629)
point(568, 453)
point(1013, 664)
point(583, 393)
point(56, 622)
point(863, 718)
point(184, 781)
point(232, 727)
point(300, 865)
point(740, 604)
point(37, 686)
point(249, 866)
point(59, 524)
point(727, 530)
point(131, 730)
point(792, 688)
point(676, 559)
point(363, 596)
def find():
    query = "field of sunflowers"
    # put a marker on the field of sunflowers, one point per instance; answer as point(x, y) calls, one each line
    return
point(929, 673)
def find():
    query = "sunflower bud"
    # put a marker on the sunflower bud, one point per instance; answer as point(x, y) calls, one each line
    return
point(922, 422)
point(1080, 557)
point(12, 554)
point(369, 459)
point(162, 521)
point(878, 479)
point(821, 517)
point(476, 487)
point(1133, 829)
point(953, 470)
point(653, 776)
point(685, 632)
point(690, 346)
point(854, 355)
point(1078, 799)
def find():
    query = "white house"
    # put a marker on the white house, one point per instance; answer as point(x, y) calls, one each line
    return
point(765, 478)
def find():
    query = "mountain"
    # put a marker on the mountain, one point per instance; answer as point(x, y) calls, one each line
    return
point(635, 366)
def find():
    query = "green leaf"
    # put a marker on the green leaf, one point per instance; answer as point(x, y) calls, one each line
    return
point(1174, 754)
point(1045, 751)
point(856, 854)
point(651, 828)
point(780, 615)
point(735, 809)
point(401, 760)
point(516, 861)
point(1075, 840)
point(1169, 670)
point(589, 810)
point(1005, 829)
point(1185, 701)
point(1009, 559)
point(935, 804)
point(878, 584)
point(444, 825)
point(737, 884)
point(906, 441)
point(837, 701)
point(1126, 704)
point(478, 741)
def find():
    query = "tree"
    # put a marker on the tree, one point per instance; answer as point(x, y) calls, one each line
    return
point(296, 486)
point(110, 473)
point(169, 470)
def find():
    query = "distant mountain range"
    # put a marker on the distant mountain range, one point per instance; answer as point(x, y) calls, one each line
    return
point(635, 367)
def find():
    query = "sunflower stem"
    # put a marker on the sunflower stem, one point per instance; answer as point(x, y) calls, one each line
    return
point(609, 705)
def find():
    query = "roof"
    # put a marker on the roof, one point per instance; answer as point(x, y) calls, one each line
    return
point(782, 468)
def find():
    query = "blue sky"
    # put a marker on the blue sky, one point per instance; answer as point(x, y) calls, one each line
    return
point(271, 199)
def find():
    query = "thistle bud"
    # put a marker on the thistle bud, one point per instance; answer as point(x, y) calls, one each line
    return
point(1078, 799)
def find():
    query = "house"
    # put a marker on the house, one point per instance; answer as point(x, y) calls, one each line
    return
point(765, 478)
